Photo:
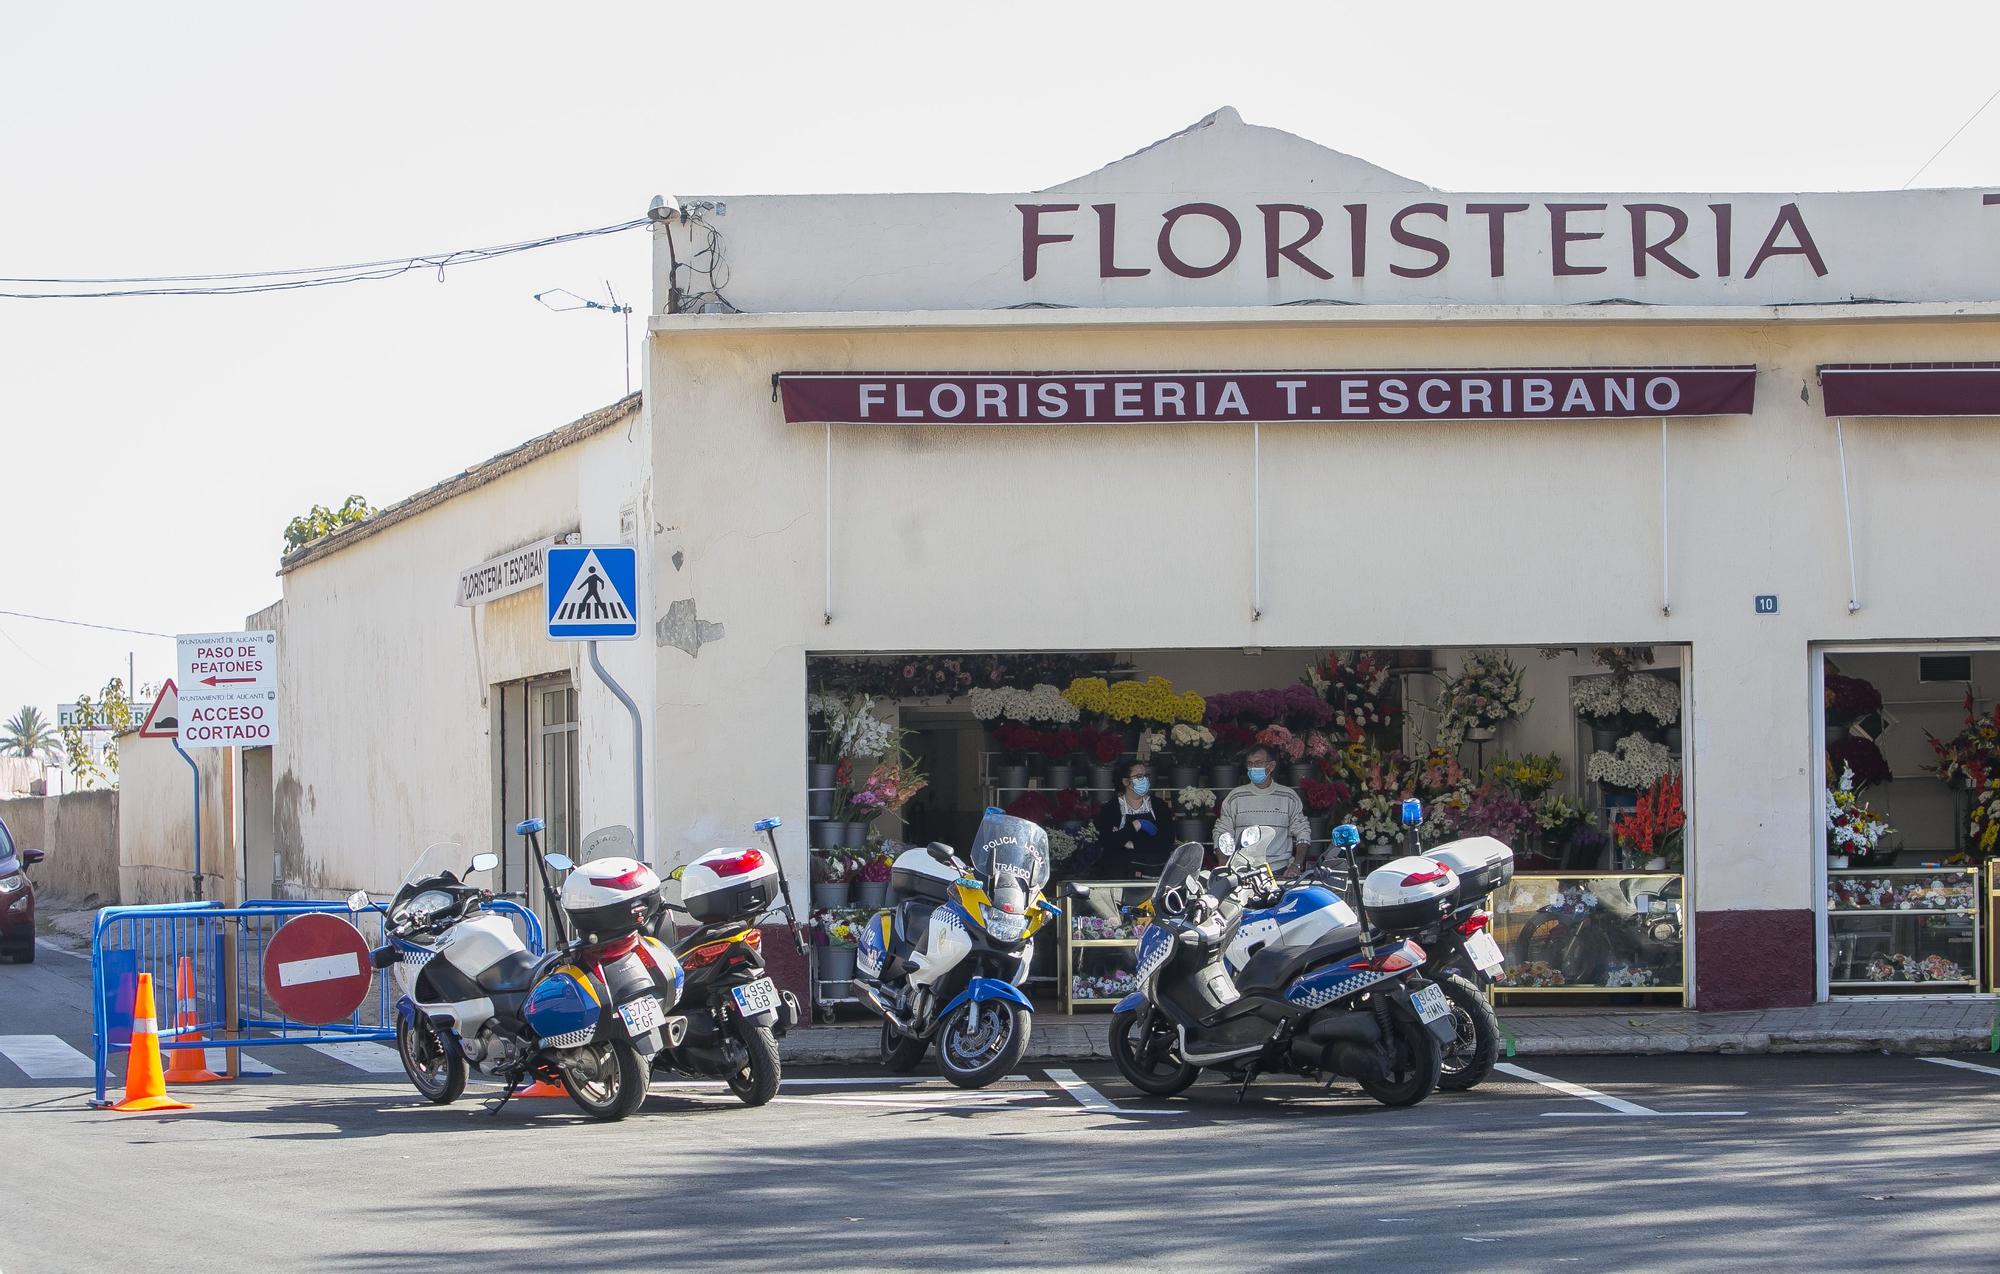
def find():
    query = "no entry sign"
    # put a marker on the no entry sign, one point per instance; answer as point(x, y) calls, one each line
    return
point(317, 969)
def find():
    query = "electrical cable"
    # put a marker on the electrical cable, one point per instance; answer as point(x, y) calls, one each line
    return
point(253, 281)
point(78, 623)
point(1949, 140)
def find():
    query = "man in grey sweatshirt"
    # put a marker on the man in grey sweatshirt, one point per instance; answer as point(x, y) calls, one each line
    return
point(1264, 802)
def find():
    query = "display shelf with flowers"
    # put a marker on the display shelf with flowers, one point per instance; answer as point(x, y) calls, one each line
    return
point(1485, 694)
point(1533, 974)
point(832, 873)
point(1102, 988)
point(1626, 703)
point(1654, 834)
point(1907, 889)
point(1893, 967)
point(1360, 689)
point(1096, 928)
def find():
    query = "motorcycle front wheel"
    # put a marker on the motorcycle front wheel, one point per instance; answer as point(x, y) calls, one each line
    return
point(1164, 1074)
point(607, 1080)
point(974, 1057)
point(755, 1080)
point(1413, 1074)
point(430, 1061)
point(1468, 1059)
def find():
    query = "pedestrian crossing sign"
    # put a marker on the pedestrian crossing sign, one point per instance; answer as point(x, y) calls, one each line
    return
point(593, 592)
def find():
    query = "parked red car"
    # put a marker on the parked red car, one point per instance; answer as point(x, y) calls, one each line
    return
point(17, 899)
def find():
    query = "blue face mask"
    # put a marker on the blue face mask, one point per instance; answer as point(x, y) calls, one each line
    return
point(1141, 786)
point(1259, 775)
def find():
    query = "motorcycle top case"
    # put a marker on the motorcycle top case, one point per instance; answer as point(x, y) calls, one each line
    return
point(726, 883)
point(1407, 895)
point(1481, 863)
point(915, 874)
point(603, 898)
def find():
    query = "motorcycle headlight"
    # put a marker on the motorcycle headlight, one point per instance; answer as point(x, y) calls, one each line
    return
point(12, 884)
point(1006, 926)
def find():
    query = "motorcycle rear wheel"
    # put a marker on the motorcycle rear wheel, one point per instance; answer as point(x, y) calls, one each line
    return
point(1417, 1058)
point(614, 1083)
point(1165, 1076)
point(974, 1059)
point(1470, 1058)
point(433, 1065)
point(756, 1081)
point(900, 1052)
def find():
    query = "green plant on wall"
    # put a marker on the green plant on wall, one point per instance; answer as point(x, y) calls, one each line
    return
point(320, 520)
point(110, 710)
point(29, 734)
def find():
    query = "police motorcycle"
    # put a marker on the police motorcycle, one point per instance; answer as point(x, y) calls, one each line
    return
point(589, 1013)
point(735, 1013)
point(1349, 1003)
point(1461, 955)
point(946, 962)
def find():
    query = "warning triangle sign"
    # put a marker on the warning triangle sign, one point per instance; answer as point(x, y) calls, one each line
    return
point(163, 719)
point(591, 597)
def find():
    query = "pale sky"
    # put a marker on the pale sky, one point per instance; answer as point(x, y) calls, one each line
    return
point(153, 449)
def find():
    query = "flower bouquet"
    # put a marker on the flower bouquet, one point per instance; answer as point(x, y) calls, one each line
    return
point(1152, 701)
point(1282, 742)
point(1042, 705)
point(1485, 693)
point(1296, 706)
point(1970, 759)
point(1357, 689)
point(1095, 928)
point(1636, 762)
point(1114, 985)
point(1653, 833)
point(1862, 755)
point(1849, 698)
point(1497, 812)
point(1852, 827)
point(1897, 967)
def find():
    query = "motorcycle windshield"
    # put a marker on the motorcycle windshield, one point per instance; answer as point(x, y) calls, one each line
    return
point(1179, 878)
point(446, 859)
point(1011, 856)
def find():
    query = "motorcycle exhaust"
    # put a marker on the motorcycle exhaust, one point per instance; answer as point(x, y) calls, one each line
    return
point(872, 999)
point(675, 1029)
point(1345, 1028)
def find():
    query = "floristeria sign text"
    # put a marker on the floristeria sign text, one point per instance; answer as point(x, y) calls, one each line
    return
point(1101, 398)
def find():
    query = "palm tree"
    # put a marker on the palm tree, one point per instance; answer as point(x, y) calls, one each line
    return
point(29, 735)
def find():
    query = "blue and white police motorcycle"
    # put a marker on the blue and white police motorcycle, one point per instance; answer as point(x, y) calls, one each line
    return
point(588, 1014)
point(1351, 1002)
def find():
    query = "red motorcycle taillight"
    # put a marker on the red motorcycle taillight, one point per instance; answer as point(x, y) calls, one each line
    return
point(1389, 962)
point(708, 953)
point(1480, 920)
point(1427, 875)
point(618, 948)
point(624, 880)
point(748, 860)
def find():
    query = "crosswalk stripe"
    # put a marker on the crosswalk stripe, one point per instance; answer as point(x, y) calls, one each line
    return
point(46, 1057)
point(247, 1062)
point(376, 1059)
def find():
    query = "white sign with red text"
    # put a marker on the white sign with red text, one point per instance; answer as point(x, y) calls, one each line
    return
point(228, 688)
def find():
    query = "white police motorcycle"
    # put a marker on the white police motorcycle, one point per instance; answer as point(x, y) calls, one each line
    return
point(589, 1013)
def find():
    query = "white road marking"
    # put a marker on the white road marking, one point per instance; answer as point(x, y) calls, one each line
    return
point(46, 1057)
point(1092, 1100)
point(1618, 1105)
point(365, 1055)
point(858, 1081)
point(1964, 1066)
point(247, 1062)
point(319, 969)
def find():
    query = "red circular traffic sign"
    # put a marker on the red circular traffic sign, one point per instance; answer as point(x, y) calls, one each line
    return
point(317, 969)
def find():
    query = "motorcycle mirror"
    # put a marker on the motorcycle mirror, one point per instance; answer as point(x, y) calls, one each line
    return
point(675, 874)
point(940, 853)
point(1076, 892)
point(485, 862)
point(1251, 838)
point(1225, 844)
point(358, 900)
point(560, 862)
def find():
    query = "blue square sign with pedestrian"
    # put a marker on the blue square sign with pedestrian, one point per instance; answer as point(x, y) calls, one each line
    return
point(593, 592)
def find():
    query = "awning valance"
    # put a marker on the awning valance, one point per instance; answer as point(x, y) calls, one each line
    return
point(1911, 389)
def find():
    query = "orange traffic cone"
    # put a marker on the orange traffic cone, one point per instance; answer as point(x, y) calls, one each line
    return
point(187, 1065)
point(542, 1088)
point(145, 1087)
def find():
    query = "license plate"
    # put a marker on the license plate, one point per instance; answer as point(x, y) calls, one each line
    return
point(1431, 1004)
point(1484, 951)
point(642, 1015)
point(756, 997)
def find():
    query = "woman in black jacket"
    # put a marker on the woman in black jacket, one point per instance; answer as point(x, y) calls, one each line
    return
point(1132, 831)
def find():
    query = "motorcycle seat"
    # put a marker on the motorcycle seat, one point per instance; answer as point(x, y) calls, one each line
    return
point(512, 973)
point(1274, 968)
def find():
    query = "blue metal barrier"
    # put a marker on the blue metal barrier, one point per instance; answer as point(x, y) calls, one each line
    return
point(128, 941)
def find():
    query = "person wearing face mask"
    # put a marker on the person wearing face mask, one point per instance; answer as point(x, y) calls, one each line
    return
point(1132, 829)
point(1264, 802)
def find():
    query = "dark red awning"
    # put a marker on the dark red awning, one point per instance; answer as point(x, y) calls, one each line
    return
point(1911, 389)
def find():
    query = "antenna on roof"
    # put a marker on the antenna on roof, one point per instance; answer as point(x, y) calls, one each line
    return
point(562, 301)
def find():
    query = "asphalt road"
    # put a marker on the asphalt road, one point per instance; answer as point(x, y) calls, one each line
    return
point(1834, 1163)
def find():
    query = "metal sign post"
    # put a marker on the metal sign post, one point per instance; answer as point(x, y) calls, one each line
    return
point(593, 595)
point(197, 816)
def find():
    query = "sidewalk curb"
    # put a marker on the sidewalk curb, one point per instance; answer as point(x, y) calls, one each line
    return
point(801, 1049)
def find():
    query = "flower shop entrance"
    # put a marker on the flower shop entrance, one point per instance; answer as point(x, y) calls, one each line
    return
point(1911, 817)
point(1570, 755)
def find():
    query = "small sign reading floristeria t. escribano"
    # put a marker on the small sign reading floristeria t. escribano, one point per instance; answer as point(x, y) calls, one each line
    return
point(228, 686)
